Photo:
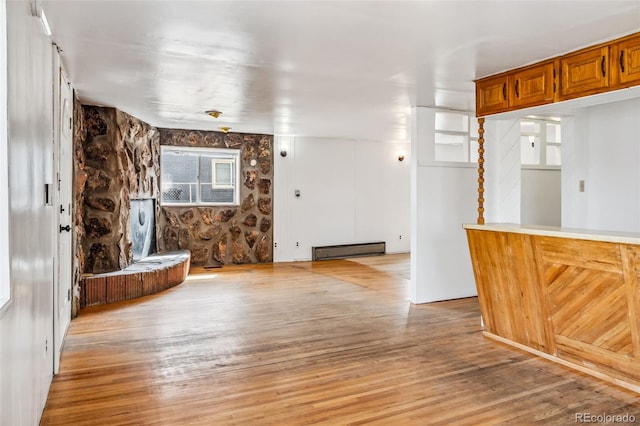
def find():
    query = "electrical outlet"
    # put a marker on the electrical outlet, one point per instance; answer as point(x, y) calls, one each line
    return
point(400, 236)
point(581, 185)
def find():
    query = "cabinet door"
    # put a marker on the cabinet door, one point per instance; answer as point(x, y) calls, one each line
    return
point(531, 86)
point(625, 62)
point(491, 95)
point(585, 73)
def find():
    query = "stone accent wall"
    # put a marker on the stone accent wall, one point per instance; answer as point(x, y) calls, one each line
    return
point(117, 159)
point(228, 234)
point(79, 181)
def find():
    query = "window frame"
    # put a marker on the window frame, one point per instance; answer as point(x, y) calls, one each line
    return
point(214, 173)
point(542, 135)
point(226, 155)
point(471, 138)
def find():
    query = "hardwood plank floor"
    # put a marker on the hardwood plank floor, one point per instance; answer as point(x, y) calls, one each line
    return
point(331, 342)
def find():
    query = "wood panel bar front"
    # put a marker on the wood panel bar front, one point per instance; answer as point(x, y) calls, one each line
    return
point(569, 294)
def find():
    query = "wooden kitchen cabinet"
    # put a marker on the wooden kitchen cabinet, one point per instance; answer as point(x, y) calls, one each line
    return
point(524, 87)
point(625, 62)
point(491, 95)
point(598, 69)
point(534, 85)
point(584, 73)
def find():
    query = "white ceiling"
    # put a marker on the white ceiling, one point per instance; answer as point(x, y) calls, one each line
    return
point(350, 69)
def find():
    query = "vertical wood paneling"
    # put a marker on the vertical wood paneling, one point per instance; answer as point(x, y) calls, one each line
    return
point(545, 301)
point(115, 288)
point(511, 300)
point(133, 286)
point(148, 281)
point(576, 299)
point(134, 282)
point(631, 266)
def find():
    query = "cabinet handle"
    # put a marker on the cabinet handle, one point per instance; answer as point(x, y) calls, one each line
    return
point(517, 91)
point(622, 60)
point(504, 91)
point(604, 71)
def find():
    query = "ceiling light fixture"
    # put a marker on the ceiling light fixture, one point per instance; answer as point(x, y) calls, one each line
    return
point(224, 129)
point(213, 113)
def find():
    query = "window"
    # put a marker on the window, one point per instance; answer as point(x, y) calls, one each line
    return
point(199, 176)
point(456, 137)
point(222, 173)
point(540, 142)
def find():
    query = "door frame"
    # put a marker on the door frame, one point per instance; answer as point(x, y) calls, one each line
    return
point(63, 203)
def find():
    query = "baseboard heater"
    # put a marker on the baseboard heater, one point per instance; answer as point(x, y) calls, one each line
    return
point(347, 250)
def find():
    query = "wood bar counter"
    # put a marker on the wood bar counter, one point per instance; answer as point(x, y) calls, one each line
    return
point(571, 296)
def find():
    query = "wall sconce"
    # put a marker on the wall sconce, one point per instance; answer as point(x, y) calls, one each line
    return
point(283, 153)
point(213, 113)
point(401, 155)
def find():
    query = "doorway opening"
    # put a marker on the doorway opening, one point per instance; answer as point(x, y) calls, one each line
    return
point(541, 162)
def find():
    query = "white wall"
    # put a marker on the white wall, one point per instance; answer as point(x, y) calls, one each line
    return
point(443, 198)
point(503, 174)
point(604, 151)
point(4, 166)
point(351, 191)
point(574, 166)
point(441, 266)
point(26, 322)
point(541, 195)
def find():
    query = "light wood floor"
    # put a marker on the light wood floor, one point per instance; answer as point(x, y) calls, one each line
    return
point(332, 342)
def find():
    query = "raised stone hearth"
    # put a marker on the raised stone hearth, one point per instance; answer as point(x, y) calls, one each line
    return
point(151, 275)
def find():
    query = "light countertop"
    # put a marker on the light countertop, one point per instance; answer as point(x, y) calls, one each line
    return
point(554, 231)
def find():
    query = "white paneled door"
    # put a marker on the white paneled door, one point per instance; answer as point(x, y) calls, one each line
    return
point(64, 147)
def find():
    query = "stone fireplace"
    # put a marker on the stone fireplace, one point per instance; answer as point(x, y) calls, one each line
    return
point(118, 217)
point(117, 161)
